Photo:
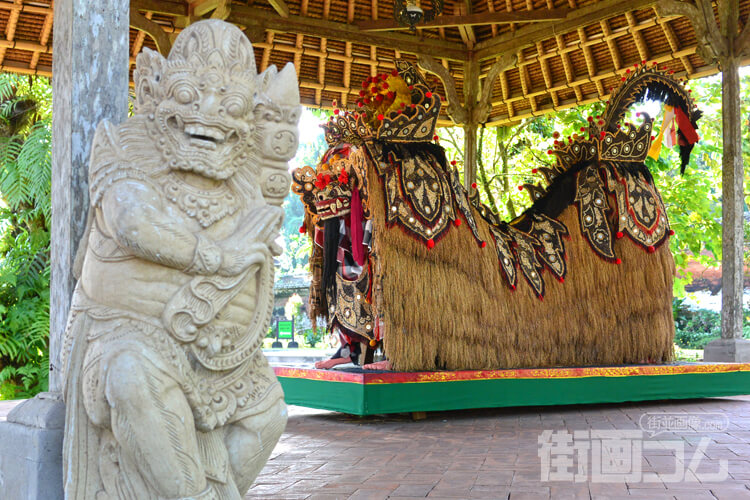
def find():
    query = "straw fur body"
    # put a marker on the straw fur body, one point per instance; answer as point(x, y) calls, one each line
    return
point(449, 308)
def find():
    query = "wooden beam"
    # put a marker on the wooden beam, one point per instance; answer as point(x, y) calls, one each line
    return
point(168, 7)
point(249, 16)
point(152, 29)
point(533, 16)
point(583, 16)
point(280, 7)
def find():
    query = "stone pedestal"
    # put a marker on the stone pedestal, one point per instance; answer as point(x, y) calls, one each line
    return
point(31, 450)
point(728, 350)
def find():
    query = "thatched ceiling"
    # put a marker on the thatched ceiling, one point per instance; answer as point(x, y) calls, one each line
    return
point(570, 52)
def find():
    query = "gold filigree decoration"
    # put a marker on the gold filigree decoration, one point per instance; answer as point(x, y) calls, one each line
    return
point(462, 202)
point(418, 193)
point(351, 310)
point(552, 250)
point(524, 248)
point(640, 211)
point(591, 200)
point(629, 144)
point(505, 256)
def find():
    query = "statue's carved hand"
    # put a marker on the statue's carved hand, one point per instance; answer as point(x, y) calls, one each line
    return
point(236, 259)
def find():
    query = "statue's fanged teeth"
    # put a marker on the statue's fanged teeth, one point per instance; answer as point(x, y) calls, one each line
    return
point(204, 137)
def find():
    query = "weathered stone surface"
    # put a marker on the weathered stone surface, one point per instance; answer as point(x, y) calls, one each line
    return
point(31, 450)
point(167, 392)
point(730, 350)
point(90, 85)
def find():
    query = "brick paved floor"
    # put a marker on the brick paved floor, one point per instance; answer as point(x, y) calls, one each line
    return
point(494, 454)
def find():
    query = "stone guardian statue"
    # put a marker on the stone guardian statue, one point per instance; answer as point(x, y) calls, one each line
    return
point(167, 391)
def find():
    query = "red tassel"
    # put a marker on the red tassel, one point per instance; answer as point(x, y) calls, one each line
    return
point(619, 235)
point(513, 287)
point(483, 244)
point(651, 249)
point(561, 280)
point(618, 261)
point(683, 122)
point(302, 229)
point(671, 233)
point(457, 222)
point(430, 243)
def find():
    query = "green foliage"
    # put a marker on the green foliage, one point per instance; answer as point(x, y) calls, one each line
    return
point(694, 328)
point(25, 177)
point(312, 337)
point(297, 246)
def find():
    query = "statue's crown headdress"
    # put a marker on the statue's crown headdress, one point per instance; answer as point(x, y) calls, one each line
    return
point(395, 107)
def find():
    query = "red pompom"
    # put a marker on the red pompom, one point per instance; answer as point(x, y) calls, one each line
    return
point(627, 71)
point(411, 87)
point(555, 134)
point(435, 138)
point(618, 261)
point(457, 222)
point(394, 72)
point(520, 188)
point(483, 244)
point(671, 233)
point(549, 151)
point(385, 85)
point(600, 122)
point(335, 111)
point(359, 104)
point(428, 94)
point(651, 249)
point(379, 97)
point(583, 129)
point(534, 170)
point(362, 93)
point(513, 287)
point(453, 162)
point(430, 243)
point(619, 235)
point(380, 116)
point(402, 104)
point(590, 118)
point(413, 105)
point(374, 90)
point(561, 280)
point(623, 78)
point(302, 229)
point(391, 95)
point(602, 134)
point(473, 185)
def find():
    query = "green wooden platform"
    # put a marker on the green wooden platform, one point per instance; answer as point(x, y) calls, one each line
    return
point(396, 392)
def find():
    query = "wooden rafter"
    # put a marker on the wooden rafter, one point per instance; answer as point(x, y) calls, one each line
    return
point(249, 16)
point(280, 7)
point(529, 35)
point(532, 16)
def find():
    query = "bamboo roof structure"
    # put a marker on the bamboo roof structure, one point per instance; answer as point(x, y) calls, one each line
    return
point(559, 53)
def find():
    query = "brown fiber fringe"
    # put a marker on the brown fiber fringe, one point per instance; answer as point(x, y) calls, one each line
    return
point(450, 307)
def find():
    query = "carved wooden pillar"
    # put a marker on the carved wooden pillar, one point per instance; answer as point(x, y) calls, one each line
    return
point(724, 43)
point(90, 84)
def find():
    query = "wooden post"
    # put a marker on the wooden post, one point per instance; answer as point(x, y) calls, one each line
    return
point(90, 84)
point(732, 203)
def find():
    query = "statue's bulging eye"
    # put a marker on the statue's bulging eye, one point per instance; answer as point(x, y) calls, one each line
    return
point(236, 106)
point(184, 94)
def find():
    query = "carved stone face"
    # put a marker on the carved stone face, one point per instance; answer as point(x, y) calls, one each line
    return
point(205, 120)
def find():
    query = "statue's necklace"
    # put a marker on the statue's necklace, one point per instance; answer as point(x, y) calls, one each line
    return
point(205, 205)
